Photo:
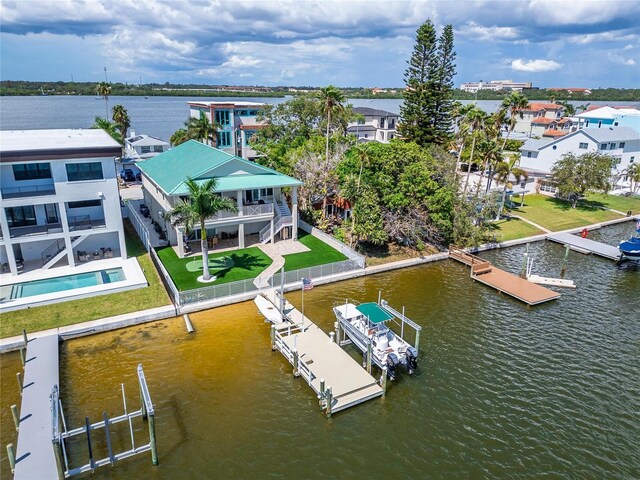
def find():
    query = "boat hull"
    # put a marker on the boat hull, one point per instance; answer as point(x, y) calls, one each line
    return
point(630, 249)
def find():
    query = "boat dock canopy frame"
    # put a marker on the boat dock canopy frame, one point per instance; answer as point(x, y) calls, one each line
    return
point(374, 312)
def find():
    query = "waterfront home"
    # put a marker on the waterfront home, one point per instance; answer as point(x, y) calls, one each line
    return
point(60, 200)
point(263, 211)
point(536, 112)
point(374, 125)
point(548, 127)
point(237, 123)
point(605, 117)
point(141, 147)
point(621, 143)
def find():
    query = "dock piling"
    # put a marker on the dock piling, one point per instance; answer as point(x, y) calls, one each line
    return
point(19, 377)
point(296, 364)
point(24, 335)
point(107, 434)
point(16, 417)
point(23, 356)
point(383, 381)
point(273, 338)
point(322, 393)
point(564, 260)
point(152, 439)
point(332, 337)
point(12, 457)
point(92, 462)
point(369, 353)
point(525, 261)
point(336, 326)
point(329, 397)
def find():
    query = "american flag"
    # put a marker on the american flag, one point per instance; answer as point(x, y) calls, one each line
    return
point(307, 284)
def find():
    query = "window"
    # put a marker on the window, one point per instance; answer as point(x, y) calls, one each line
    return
point(621, 145)
point(583, 145)
point(632, 159)
point(266, 192)
point(31, 171)
point(247, 136)
point(555, 147)
point(21, 216)
point(145, 149)
point(158, 148)
point(599, 123)
point(84, 171)
point(85, 203)
point(612, 147)
point(224, 139)
point(586, 123)
point(382, 122)
point(222, 117)
point(603, 146)
point(529, 154)
point(392, 123)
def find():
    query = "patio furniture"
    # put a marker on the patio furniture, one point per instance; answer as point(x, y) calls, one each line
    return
point(108, 253)
point(82, 256)
point(96, 255)
point(5, 267)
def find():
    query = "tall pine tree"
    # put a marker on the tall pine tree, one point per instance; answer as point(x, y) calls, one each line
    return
point(428, 98)
point(442, 115)
point(418, 97)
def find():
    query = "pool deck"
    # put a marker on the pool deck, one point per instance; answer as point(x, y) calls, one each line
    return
point(585, 245)
point(35, 457)
point(321, 358)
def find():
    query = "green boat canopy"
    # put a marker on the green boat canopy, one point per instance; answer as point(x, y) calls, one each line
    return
point(374, 312)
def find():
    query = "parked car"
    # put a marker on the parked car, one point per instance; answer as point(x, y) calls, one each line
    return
point(127, 175)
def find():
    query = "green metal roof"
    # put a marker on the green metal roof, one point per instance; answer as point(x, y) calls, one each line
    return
point(170, 169)
point(374, 312)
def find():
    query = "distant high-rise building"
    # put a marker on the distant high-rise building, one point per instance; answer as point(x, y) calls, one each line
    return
point(495, 85)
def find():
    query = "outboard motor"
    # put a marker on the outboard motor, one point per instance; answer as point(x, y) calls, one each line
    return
point(392, 361)
point(412, 359)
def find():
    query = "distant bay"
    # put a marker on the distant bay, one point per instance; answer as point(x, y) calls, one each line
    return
point(156, 116)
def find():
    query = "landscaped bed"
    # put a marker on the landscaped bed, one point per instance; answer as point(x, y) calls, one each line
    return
point(320, 253)
point(93, 308)
point(555, 214)
point(229, 266)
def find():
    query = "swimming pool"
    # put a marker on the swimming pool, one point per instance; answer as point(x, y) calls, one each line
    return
point(59, 284)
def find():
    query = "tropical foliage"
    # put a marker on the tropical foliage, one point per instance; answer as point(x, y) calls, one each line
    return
point(103, 89)
point(109, 127)
point(121, 120)
point(577, 175)
point(203, 202)
point(197, 128)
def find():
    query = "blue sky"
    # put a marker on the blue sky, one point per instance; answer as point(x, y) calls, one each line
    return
point(553, 43)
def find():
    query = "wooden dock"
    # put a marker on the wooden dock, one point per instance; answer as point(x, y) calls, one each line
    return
point(504, 282)
point(35, 457)
point(585, 245)
point(321, 361)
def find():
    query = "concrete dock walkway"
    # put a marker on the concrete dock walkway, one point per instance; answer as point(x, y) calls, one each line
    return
point(585, 244)
point(35, 457)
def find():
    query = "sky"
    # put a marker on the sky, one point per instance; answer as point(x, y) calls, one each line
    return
point(348, 43)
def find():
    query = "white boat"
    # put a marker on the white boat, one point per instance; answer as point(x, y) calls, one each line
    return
point(366, 325)
point(268, 309)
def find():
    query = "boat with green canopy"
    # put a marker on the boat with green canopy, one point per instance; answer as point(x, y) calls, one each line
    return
point(367, 326)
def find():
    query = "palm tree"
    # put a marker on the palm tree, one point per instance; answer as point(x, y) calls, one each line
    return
point(179, 136)
point(121, 119)
point(513, 103)
point(331, 98)
point(109, 127)
point(491, 155)
point(203, 202)
point(504, 171)
point(202, 129)
point(476, 118)
point(104, 90)
point(633, 175)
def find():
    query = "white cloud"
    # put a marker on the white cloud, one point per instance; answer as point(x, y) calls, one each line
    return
point(480, 32)
point(621, 60)
point(535, 65)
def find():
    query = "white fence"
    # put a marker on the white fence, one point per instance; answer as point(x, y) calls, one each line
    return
point(214, 292)
point(318, 271)
point(333, 242)
point(139, 225)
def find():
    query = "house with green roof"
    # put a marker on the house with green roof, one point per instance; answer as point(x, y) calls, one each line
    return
point(258, 191)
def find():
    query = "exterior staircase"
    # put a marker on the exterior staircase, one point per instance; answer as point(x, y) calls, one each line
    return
point(282, 219)
point(54, 252)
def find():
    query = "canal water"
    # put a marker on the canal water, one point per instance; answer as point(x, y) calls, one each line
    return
point(503, 390)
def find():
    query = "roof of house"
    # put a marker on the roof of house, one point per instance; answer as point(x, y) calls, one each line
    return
point(535, 144)
point(542, 121)
point(608, 112)
point(169, 170)
point(146, 141)
point(554, 133)
point(373, 112)
point(226, 104)
point(598, 135)
point(535, 107)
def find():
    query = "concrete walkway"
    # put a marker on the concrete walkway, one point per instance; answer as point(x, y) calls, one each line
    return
point(539, 227)
point(276, 252)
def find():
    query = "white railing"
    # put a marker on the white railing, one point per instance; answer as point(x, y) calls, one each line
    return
point(139, 225)
point(247, 211)
point(265, 233)
point(333, 242)
point(316, 272)
point(214, 292)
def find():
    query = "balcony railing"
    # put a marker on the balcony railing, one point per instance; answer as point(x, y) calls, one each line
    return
point(84, 222)
point(30, 191)
point(247, 211)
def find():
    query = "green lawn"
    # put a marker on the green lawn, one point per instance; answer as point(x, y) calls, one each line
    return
point(77, 311)
point(511, 229)
point(320, 253)
point(247, 263)
point(555, 214)
point(616, 202)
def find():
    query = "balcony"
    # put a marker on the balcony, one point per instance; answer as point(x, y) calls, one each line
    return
point(84, 222)
point(30, 191)
point(257, 210)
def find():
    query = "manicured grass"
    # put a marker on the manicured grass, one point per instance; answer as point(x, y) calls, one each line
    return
point(320, 253)
point(77, 311)
point(616, 202)
point(555, 214)
point(512, 229)
point(247, 263)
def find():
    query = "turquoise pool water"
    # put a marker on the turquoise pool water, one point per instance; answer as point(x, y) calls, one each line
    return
point(69, 282)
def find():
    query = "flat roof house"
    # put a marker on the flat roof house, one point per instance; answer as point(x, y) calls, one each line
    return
point(377, 125)
point(237, 124)
point(257, 190)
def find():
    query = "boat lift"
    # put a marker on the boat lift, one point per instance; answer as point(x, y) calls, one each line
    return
point(347, 333)
point(60, 434)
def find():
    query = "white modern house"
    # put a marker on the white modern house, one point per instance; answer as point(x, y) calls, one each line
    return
point(621, 143)
point(375, 125)
point(263, 210)
point(605, 117)
point(237, 124)
point(141, 147)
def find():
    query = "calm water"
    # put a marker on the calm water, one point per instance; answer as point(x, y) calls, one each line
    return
point(503, 390)
point(156, 116)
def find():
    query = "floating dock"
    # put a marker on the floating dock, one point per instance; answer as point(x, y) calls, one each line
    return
point(504, 282)
point(35, 456)
point(584, 245)
point(332, 373)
